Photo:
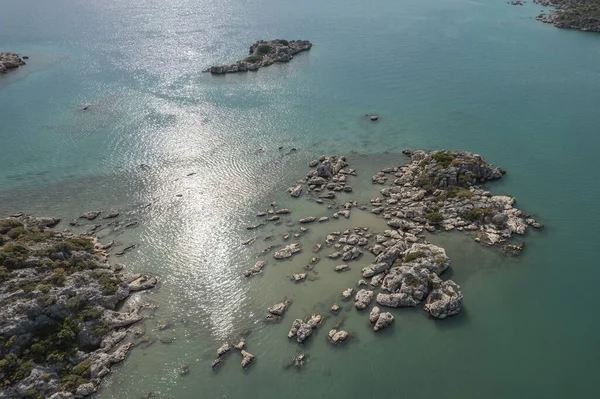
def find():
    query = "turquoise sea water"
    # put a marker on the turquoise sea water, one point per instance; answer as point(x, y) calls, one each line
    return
point(482, 76)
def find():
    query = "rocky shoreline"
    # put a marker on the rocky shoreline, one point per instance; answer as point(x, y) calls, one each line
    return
point(435, 191)
point(583, 15)
point(60, 330)
point(10, 61)
point(262, 54)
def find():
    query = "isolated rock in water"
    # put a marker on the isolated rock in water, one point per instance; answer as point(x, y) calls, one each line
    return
point(396, 300)
point(335, 307)
point(279, 308)
point(295, 191)
point(299, 276)
point(10, 61)
point(223, 349)
point(341, 268)
point(302, 330)
point(247, 358)
point(374, 315)
point(337, 336)
point(257, 268)
point(90, 215)
point(287, 251)
point(445, 300)
point(282, 211)
point(384, 320)
point(308, 219)
point(347, 293)
point(363, 299)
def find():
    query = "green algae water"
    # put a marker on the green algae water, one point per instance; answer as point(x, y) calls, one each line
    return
point(481, 76)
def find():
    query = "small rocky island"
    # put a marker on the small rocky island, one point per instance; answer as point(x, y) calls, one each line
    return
point(60, 331)
point(264, 53)
point(582, 15)
point(9, 61)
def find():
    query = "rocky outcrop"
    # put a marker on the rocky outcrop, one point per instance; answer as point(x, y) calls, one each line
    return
point(383, 320)
point(247, 358)
point(438, 190)
point(262, 54)
point(288, 251)
point(58, 297)
point(303, 329)
point(336, 336)
point(276, 311)
point(256, 269)
point(582, 15)
point(363, 299)
point(444, 300)
point(10, 61)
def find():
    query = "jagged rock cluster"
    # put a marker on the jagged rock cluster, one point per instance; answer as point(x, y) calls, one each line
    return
point(435, 191)
point(264, 53)
point(59, 331)
point(438, 190)
point(247, 357)
point(582, 15)
point(9, 61)
point(303, 329)
point(328, 176)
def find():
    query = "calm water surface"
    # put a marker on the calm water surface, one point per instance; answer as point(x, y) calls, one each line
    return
point(482, 76)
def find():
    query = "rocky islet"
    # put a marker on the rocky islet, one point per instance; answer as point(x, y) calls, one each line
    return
point(262, 54)
point(10, 61)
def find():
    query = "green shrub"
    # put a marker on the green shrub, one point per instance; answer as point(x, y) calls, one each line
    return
point(13, 368)
point(283, 42)
point(410, 257)
point(263, 49)
point(458, 192)
point(4, 273)
point(83, 369)
point(476, 214)
point(58, 276)
point(16, 232)
point(7, 225)
point(443, 158)
point(434, 217)
point(11, 255)
point(253, 58)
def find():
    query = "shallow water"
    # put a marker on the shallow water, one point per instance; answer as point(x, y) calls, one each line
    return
point(479, 76)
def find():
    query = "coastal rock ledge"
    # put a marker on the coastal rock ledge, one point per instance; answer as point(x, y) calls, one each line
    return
point(264, 53)
point(60, 330)
point(10, 61)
